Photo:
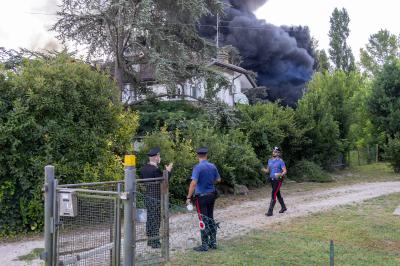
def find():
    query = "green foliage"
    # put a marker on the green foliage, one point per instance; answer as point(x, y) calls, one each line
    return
point(323, 61)
point(34, 254)
point(58, 112)
point(269, 125)
point(384, 101)
point(174, 148)
point(340, 53)
point(308, 171)
point(173, 114)
point(231, 152)
point(392, 152)
point(160, 33)
point(382, 47)
point(326, 113)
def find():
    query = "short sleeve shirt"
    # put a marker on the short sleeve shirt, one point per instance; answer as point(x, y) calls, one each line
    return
point(205, 173)
point(275, 166)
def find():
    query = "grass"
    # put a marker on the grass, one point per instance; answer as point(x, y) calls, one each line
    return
point(364, 234)
point(34, 254)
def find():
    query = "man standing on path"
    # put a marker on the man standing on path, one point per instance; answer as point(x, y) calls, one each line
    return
point(153, 196)
point(204, 176)
point(277, 170)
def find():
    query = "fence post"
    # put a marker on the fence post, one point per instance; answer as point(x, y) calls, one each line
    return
point(117, 230)
point(129, 211)
point(377, 153)
point(48, 254)
point(165, 216)
point(331, 254)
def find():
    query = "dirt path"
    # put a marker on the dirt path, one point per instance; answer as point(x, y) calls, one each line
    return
point(241, 218)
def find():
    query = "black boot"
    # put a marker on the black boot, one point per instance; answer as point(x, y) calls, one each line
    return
point(271, 208)
point(212, 242)
point(283, 207)
point(204, 242)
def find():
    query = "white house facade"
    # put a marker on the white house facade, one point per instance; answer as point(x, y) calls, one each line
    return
point(239, 78)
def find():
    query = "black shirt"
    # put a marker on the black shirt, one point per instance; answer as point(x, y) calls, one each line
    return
point(153, 188)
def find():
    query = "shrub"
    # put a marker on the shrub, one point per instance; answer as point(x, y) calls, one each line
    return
point(174, 148)
point(308, 171)
point(58, 112)
point(269, 125)
point(231, 152)
point(392, 152)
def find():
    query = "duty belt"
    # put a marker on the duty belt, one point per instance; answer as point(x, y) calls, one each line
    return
point(205, 194)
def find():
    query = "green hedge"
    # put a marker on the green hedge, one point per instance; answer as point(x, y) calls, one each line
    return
point(58, 112)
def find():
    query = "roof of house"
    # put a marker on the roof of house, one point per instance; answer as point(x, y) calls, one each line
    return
point(235, 68)
point(147, 71)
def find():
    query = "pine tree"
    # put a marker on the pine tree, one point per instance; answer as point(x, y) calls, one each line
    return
point(159, 33)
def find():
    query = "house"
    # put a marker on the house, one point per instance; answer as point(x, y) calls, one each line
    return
point(240, 79)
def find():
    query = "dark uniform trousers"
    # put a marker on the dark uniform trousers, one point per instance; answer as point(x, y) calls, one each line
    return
point(205, 204)
point(276, 193)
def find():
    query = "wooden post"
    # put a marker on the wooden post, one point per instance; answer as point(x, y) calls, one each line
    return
point(377, 153)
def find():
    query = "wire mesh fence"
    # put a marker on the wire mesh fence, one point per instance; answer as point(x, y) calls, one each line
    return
point(88, 237)
point(364, 155)
point(90, 223)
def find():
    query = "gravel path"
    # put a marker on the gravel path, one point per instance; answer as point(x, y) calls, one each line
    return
point(239, 219)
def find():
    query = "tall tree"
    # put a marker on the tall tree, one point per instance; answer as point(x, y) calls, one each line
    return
point(382, 46)
point(384, 109)
point(321, 60)
point(340, 52)
point(327, 111)
point(159, 33)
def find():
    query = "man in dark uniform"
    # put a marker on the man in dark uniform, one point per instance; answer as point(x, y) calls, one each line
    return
point(204, 176)
point(153, 196)
point(277, 170)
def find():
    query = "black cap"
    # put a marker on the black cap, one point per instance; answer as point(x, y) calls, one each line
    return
point(153, 151)
point(202, 150)
point(276, 148)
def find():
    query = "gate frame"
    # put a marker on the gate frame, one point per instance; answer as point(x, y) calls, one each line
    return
point(128, 198)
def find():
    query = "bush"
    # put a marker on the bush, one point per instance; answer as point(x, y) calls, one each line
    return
point(392, 153)
point(58, 112)
point(174, 148)
point(308, 171)
point(230, 152)
point(269, 125)
point(155, 115)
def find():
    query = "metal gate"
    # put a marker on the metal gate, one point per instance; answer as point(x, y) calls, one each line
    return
point(106, 223)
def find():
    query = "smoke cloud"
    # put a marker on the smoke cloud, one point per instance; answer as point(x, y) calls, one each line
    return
point(281, 56)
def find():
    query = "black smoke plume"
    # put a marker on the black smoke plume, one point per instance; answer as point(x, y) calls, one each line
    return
point(282, 57)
